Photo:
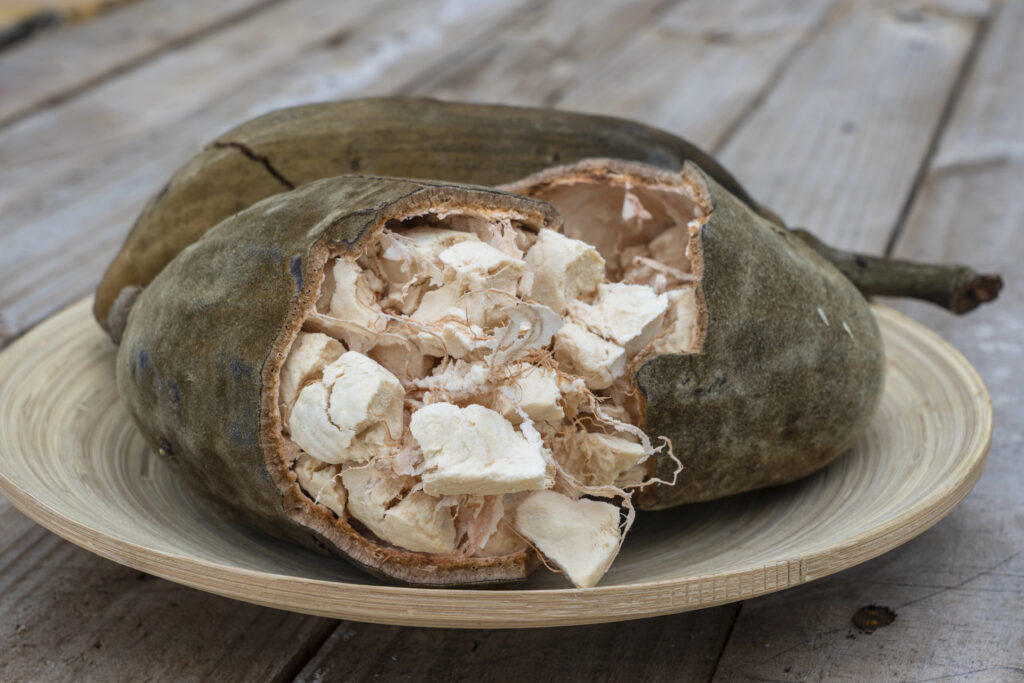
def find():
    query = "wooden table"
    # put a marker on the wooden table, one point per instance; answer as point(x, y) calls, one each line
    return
point(892, 127)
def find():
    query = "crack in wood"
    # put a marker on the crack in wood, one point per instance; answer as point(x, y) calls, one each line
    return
point(955, 93)
point(961, 584)
point(769, 85)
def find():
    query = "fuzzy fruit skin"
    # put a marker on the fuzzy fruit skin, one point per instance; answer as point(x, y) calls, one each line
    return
point(775, 393)
point(400, 137)
point(200, 359)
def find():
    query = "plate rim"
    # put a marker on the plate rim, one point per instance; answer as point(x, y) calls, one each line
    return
point(727, 585)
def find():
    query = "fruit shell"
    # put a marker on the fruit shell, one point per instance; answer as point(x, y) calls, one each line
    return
point(790, 372)
point(199, 364)
point(402, 137)
point(790, 366)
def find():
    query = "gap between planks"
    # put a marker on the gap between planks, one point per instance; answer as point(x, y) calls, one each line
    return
point(759, 99)
point(955, 95)
point(132, 62)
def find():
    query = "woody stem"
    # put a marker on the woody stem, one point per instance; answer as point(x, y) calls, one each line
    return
point(957, 288)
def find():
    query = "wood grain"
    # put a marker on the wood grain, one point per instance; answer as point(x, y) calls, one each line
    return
point(543, 51)
point(50, 68)
point(836, 145)
point(144, 627)
point(71, 459)
point(126, 109)
point(702, 68)
point(679, 648)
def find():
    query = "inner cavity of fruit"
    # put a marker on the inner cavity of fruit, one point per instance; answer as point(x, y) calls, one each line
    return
point(463, 385)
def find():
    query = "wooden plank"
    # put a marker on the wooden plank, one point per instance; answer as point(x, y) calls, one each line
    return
point(941, 630)
point(51, 151)
point(958, 588)
point(20, 19)
point(51, 67)
point(700, 69)
point(99, 189)
point(615, 60)
point(542, 52)
point(66, 614)
point(676, 648)
point(128, 109)
point(837, 144)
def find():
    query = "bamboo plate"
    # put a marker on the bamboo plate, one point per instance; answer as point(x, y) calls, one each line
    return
point(71, 459)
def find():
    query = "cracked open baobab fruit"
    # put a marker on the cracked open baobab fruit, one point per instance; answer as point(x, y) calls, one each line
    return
point(441, 381)
point(450, 141)
point(391, 136)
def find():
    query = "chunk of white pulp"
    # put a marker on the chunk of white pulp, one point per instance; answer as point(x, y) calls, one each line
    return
point(416, 522)
point(580, 536)
point(563, 270)
point(581, 352)
point(479, 282)
point(309, 354)
point(352, 415)
point(534, 390)
point(475, 450)
point(412, 254)
point(628, 315)
point(611, 458)
point(477, 265)
point(322, 482)
point(353, 300)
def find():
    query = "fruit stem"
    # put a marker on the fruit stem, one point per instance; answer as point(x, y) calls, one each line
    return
point(956, 288)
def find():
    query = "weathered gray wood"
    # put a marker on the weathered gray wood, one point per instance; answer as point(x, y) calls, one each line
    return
point(129, 108)
point(682, 647)
point(66, 614)
point(542, 52)
point(699, 71)
point(52, 66)
point(957, 589)
point(98, 190)
point(185, 89)
point(836, 146)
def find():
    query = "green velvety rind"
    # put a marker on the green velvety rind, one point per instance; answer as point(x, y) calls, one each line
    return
point(790, 372)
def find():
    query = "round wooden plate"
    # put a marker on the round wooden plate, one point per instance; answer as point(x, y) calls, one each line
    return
point(71, 459)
